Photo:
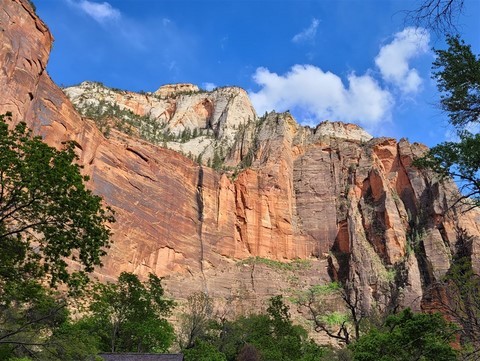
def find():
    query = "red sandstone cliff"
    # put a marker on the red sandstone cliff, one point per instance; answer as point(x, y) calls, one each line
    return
point(354, 207)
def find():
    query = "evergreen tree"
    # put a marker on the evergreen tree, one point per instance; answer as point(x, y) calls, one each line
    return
point(457, 71)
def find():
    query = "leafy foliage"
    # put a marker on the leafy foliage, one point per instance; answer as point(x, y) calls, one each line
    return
point(35, 322)
point(46, 213)
point(267, 337)
point(129, 316)
point(203, 351)
point(295, 265)
point(458, 77)
point(320, 305)
point(28, 312)
point(408, 336)
point(47, 217)
point(458, 294)
point(460, 160)
point(196, 319)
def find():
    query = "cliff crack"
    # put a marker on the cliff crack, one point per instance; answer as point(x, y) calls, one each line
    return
point(399, 155)
point(146, 176)
point(200, 218)
point(252, 278)
point(9, 16)
point(134, 186)
point(218, 205)
point(137, 153)
point(51, 102)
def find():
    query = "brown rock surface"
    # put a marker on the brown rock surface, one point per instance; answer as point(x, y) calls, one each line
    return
point(330, 195)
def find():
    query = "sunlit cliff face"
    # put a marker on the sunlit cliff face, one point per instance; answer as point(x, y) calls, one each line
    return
point(198, 210)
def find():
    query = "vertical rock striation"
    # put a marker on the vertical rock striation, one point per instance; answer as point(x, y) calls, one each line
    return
point(352, 205)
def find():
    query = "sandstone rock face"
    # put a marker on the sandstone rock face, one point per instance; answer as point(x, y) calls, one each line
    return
point(351, 206)
point(173, 89)
point(179, 117)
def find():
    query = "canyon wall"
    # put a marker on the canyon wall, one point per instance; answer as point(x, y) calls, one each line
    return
point(331, 201)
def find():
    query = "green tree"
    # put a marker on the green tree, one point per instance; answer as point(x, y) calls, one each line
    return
point(29, 312)
point(408, 336)
point(46, 214)
point(195, 320)
point(457, 71)
point(35, 321)
point(273, 336)
point(320, 304)
point(129, 316)
point(248, 353)
point(203, 351)
point(47, 218)
point(458, 296)
point(217, 161)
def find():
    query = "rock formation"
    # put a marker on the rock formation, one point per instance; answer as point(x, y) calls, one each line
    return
point(352, 207)
point(191, 121)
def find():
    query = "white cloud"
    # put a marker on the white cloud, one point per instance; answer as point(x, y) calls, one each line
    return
point(100, 12)
point(393, 59)
point(209, 86)
point(314, 95)
point(307, 34)
point(320, 95)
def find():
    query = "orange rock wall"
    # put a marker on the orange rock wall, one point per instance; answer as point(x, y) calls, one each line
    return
point(327, 194)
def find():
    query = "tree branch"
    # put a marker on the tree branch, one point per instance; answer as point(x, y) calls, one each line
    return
point(24, 326)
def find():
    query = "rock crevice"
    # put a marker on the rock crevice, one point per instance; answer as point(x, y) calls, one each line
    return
point(332, 195)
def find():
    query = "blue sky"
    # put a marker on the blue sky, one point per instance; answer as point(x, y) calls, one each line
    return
point(358, 61)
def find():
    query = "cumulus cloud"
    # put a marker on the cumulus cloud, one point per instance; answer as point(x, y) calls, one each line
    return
point(314, 95)
point(393, 59)
point(320, 95)
point(100, 12)
point(307, 34)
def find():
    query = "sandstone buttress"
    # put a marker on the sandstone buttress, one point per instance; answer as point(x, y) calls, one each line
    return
point(352, 205)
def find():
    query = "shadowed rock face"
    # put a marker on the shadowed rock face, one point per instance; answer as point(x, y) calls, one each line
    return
point(351, 205)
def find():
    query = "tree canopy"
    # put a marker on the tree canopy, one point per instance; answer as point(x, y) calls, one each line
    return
point(457, 71)
point(195, 321)
point(47, 218)
point(129, 316)
point(46, 213)
point(408, 336)
point(267, 337)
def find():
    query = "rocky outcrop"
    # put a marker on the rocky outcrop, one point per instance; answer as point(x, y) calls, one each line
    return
point(170, 90)
point(352, 207)
point(179, 117)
